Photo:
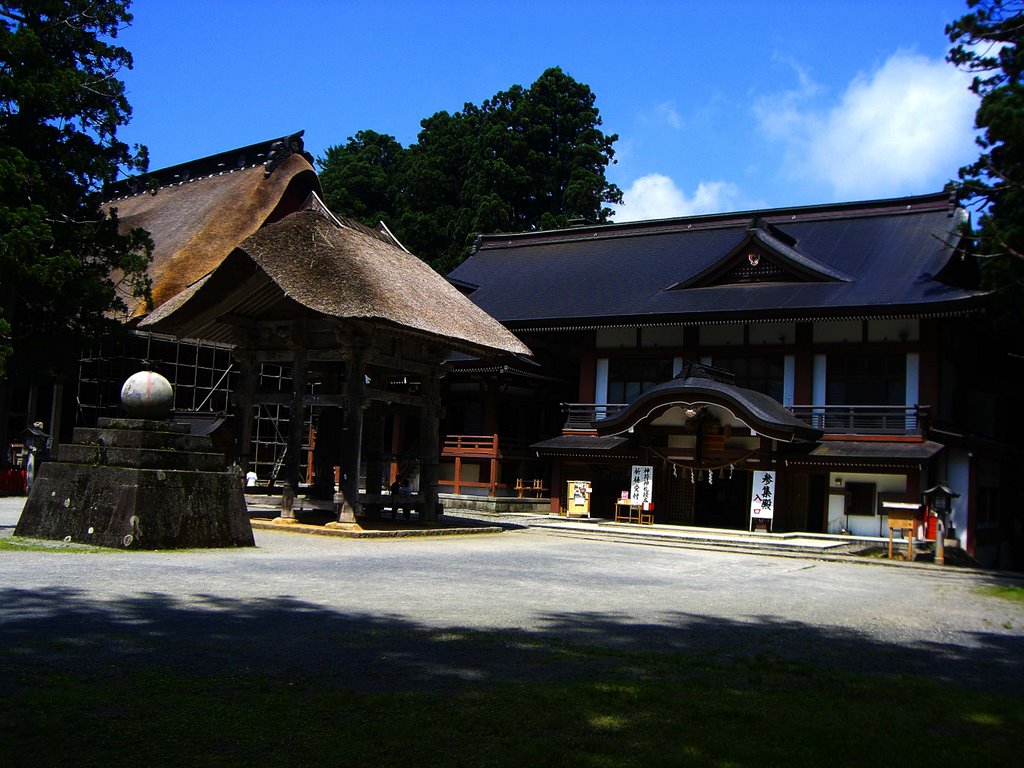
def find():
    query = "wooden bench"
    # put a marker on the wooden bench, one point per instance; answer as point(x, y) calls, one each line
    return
point(536, 487)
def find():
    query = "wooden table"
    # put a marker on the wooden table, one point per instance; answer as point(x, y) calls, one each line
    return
point(628, 512)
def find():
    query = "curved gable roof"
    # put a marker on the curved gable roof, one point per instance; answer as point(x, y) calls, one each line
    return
point(762, 257)
point(758, 411)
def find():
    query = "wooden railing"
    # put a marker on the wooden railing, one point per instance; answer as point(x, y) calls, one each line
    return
point(864, 419)
point(580, 417)
point(481, 446)
point(487, 451)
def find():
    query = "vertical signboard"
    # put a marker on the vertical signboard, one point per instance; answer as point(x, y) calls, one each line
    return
point(641, 488)
point(762, 496)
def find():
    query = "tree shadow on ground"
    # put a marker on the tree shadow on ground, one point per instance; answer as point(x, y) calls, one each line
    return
point(65, 630)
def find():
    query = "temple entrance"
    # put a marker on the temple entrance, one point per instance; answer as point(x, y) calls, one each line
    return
point(722, 503)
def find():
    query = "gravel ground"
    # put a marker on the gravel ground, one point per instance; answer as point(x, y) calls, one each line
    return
point(421, 612)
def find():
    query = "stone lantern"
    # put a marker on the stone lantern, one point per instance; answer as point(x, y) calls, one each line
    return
point(939, 499)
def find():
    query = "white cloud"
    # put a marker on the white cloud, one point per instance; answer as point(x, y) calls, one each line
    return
point(905, 128)
point(656, 196)
point(667, 112)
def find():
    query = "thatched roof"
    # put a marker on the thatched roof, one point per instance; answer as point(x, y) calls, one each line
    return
point(341, 270)
point(195, 224)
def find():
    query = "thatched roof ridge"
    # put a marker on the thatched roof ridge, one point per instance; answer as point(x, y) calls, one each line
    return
point(345, 272)
point(196, 224)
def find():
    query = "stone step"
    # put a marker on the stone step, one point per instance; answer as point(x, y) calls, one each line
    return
point(133, 438)
point(149, 458)
point(143, 424)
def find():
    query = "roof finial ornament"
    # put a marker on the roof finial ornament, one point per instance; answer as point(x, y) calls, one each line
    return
point(281, 150)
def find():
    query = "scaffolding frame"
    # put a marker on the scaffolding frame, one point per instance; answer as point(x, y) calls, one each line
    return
point(203, 375)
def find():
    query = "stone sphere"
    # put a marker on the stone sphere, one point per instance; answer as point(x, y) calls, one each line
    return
point(147, 395)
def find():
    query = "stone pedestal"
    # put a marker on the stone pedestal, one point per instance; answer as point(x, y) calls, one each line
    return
point(138, 484)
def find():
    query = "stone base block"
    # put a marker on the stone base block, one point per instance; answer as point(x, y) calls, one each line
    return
point(336, 526)
point(135, 508)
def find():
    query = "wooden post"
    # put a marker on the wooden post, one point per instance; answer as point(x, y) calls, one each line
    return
point(556, 488)
point(373, 436)
point(244, 396)
point(493, 491)
point(351, 438)
point(56, 407)
point(296, 422)
point(457, 489)
point(430, 436)
point(31, 405)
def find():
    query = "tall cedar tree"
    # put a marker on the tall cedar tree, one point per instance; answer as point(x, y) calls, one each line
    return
point(987, 43)
point(528, 158)
point(61, 104)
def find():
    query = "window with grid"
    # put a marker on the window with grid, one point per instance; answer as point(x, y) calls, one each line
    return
point(630, 377)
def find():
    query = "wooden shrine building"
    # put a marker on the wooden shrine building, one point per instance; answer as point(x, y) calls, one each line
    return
point(836, 346)
point(348, 307)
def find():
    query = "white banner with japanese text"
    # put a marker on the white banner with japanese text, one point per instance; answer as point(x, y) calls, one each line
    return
point(641, 489)
point(762, 495)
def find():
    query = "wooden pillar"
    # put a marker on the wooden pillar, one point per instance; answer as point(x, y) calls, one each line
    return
point(373, 435)
point(56, 408)
point(31, 404)
point(803, 382)
point(495, 466)
point(491, 388)
point(397, 445)
point(557, 486)
point(430, 438)
point(244, 396)
point(457, 486)
point(929, 374)
point(296, 422)
point(351, 438)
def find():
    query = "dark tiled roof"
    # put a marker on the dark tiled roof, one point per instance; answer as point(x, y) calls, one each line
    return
point(578, 445)
point(884, 259)
point(870, 452)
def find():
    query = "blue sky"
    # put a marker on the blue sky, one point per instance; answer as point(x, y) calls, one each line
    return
point(733, 105)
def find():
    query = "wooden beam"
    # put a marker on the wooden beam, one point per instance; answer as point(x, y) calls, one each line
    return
point(402, 398)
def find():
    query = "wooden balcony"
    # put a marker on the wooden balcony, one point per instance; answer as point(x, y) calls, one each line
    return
point(865, 420)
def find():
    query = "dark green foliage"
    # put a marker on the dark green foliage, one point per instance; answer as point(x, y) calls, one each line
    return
point(987, 44)
point(61, 104)
point(528, 158)
point(359, 176)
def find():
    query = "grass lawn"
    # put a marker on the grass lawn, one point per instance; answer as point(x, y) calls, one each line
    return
point(641, 709)
point(1013, 592)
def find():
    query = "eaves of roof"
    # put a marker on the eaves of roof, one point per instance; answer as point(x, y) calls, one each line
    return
point(887, 259)
point(730, 220)
point(958, 307)
point(869, 454)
